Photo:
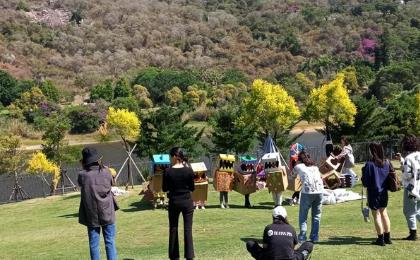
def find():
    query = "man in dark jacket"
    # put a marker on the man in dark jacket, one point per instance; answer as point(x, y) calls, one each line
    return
point(279, 241)
point(97, 203)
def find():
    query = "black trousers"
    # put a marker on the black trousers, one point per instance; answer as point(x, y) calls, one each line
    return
point(258, 252)
point(176, 207)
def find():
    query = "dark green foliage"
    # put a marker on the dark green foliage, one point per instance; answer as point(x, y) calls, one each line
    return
point(292, 44)
point(22, 5)
point(233, 76)
point(128, 103)
point(8, 89)
point(394, 79)
point(103, 91)
point(228, 137)
point(50, 91)
point(158, 81)
point(76, 16)
point(53, 137)
point(163, 129)
point(83, 119)
point(122, 89)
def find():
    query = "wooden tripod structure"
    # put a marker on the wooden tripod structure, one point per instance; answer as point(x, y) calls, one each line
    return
point(130, 161)
point(18, 191)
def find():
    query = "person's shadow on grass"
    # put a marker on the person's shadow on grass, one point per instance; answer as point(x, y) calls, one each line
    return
point(139, 206)
point(346, 240)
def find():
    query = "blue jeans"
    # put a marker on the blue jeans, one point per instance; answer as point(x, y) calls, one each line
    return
point(108, 232)
point(411, 209)
point(313, 202)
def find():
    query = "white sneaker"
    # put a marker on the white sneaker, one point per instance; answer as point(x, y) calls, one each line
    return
point(222, 206)
point(202, 207)
point(196, 207)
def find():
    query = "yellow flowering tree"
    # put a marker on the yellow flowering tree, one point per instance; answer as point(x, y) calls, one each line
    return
point(331, 104)
point(127, 125)
point(39, 164)
point(270, 108)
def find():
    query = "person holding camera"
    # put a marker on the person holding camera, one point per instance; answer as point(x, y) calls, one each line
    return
point(279, 241)
point(411, 183)
point(374, 175)
point(97, 203)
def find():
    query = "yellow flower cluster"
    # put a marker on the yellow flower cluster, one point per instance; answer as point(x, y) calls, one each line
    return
point(125, 123)
point(331, 102)
point(270, 106)
point(40, 164)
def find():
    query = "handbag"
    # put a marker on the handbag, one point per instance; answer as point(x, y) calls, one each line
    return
point(392, 181)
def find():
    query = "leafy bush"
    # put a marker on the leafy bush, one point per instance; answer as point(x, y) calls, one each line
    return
point(103, 90)
point(50, 91)
point(128, 103)
point(8, 90)
point(83, 120)
point(122, 89)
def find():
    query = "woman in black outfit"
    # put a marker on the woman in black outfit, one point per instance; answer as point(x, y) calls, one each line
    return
point(178, 182)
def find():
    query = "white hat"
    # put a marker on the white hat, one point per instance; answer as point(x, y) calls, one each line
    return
point(279, 211)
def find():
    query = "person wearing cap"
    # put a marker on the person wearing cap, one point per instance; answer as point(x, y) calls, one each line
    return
point(97, 203)
point(399, 157)
point(279, 240)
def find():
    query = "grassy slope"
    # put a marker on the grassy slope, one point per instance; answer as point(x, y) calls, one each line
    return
point(48, 229)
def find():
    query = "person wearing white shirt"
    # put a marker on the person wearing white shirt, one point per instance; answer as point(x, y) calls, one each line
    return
point(411, 184)
point(311, 196)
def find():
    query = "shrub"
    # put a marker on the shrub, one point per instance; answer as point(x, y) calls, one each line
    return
point(103, 90)
point(203, 113)
point(50, 91)
point(8, 88)
point(83, 120)
point(128, 103)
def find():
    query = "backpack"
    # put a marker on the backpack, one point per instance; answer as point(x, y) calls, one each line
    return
point(392, 182)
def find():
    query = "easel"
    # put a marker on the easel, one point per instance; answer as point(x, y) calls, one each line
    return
point(130, 159)
point(18, 190)
point(63, 178)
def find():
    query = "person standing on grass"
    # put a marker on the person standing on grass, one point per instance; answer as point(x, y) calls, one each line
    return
point(374, 175)
point(411, 183)
point(97, 203)
point(311, 196)
point(347, 154)
point(279, 241)
point(178, 182)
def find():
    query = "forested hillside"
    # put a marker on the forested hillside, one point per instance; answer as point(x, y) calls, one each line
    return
point(244, 68)
point(78, 43)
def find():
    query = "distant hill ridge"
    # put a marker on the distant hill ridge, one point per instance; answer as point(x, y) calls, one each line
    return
point(78, 43)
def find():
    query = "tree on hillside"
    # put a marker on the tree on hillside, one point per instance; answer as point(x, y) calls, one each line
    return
point(122, 89)
point(142, 95)
point(8, 90)
point(330, 104)
point(50, 91)
point(228, 135)
point(103, 90)
point(174, 97)
point(270, 109)
point(165, 128)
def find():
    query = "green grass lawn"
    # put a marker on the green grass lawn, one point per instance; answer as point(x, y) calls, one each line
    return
point(48, 229)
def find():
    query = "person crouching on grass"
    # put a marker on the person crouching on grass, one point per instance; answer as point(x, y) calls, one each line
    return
point(279, 240)
point(97, 203)
point(374, 175)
